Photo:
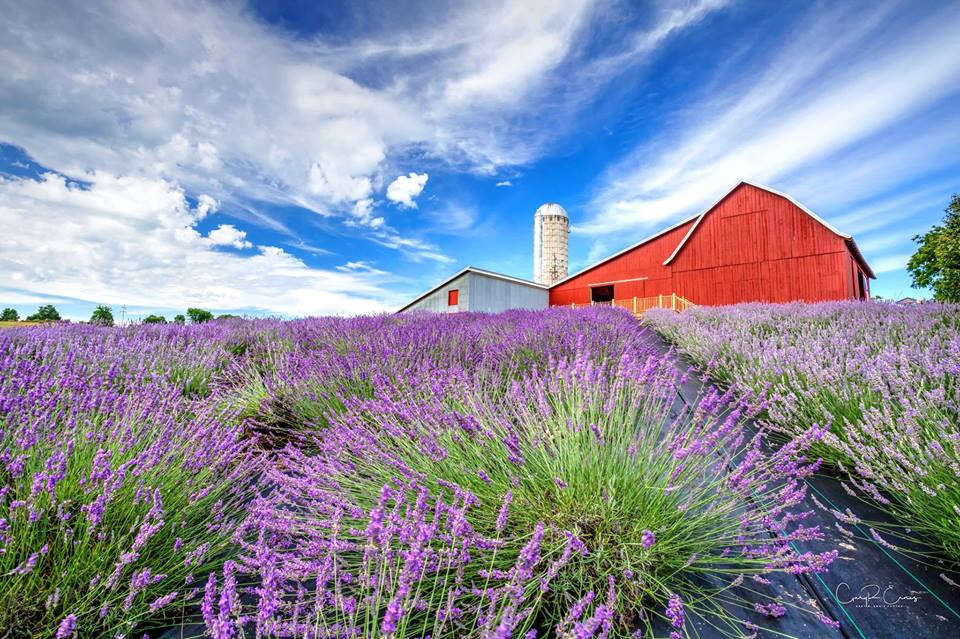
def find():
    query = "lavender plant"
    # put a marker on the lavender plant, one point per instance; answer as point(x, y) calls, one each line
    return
point(884, 375)
point(523, 474)
point(559, 497)
point(117, 487)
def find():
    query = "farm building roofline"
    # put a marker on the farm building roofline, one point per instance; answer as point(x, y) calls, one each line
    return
point(478, 271)
point(851, 244)
point(626, 250)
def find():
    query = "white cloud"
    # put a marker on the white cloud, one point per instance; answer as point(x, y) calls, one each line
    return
point(133, 240)
point(158, 103)
point(229, 235)
point(362, 215)
point(8, 297)
point(889, 263)
point(453, 219)
point(405, 189)
point(771, 123)
point(359, 266)
point(207, 97)
point(505, 183)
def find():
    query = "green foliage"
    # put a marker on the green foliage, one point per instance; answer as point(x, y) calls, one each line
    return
point(81, 567)
point(156, 319)
point(226, 316)
point(179, 319)
point(9, 315)
point(936, 264)
point(46, 313)
point(102, 315)
point(199, 315)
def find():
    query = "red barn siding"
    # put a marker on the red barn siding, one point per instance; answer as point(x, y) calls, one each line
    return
point(645, 261)
point(753, 245)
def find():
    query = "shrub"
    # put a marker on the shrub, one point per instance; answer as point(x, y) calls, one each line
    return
point(199, 315)
point(883, 375)
point(463, 505)
point(102, 316)
point(46, 313)
point(117, 490)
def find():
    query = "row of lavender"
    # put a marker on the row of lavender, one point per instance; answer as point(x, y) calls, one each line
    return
point(526, 474)
point(884, 377)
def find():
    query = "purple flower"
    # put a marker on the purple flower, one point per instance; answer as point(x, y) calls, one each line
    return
point(647, 539)
point(675, 611)
point(772, 609)
point(67, 627)
point(504, 511)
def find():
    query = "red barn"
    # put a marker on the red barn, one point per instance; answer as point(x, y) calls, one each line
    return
point(754, 245)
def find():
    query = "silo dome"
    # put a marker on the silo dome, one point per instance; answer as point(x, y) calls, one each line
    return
point(551, 208)
point(551, 228)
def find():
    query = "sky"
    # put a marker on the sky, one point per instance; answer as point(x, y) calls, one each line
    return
point(293, 159)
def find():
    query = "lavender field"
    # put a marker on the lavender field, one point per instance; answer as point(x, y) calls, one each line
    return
point(882, 377)
point(529, 474)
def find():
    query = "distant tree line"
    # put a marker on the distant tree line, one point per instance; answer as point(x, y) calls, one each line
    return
point(103, 316)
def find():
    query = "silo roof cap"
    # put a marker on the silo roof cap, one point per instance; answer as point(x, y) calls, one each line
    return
point(551, 208)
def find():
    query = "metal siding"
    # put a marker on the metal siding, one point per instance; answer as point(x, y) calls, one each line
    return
point(437, 300)
point(492, 295)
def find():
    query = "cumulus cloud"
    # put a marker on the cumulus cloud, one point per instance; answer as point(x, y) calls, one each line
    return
point(405, 189)
point(214, 99)
point(161, 104)
point(229, 235)
point(133, 240)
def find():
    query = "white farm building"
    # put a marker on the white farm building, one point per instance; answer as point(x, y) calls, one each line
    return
point(473, 289)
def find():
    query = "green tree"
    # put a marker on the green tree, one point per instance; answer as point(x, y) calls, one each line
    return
point(157, 319)
point(46, 313)
point(102, 315)
point(936, 264)
point(199, 315)
point(9, 315)
point(179, 319)
point(226, 316)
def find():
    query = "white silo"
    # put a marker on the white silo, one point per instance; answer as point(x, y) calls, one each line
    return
point(551, 229)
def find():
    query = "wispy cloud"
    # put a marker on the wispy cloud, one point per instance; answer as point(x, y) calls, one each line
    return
point(844, 78)
point(208, 98)
point(134, 240)
point(890, 263)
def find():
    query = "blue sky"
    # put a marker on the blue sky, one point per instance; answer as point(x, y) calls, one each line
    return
point(314, 158)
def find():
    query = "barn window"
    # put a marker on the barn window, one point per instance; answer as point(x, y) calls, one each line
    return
point(601, 294)
point(453, 297)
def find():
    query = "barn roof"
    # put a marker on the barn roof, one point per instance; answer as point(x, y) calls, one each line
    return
point(626, 250)
point(478, 271)
point(851, 244)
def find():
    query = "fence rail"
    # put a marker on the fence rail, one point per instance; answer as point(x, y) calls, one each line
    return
point(639, 305)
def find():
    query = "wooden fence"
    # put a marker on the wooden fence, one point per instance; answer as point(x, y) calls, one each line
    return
point(639, 305)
